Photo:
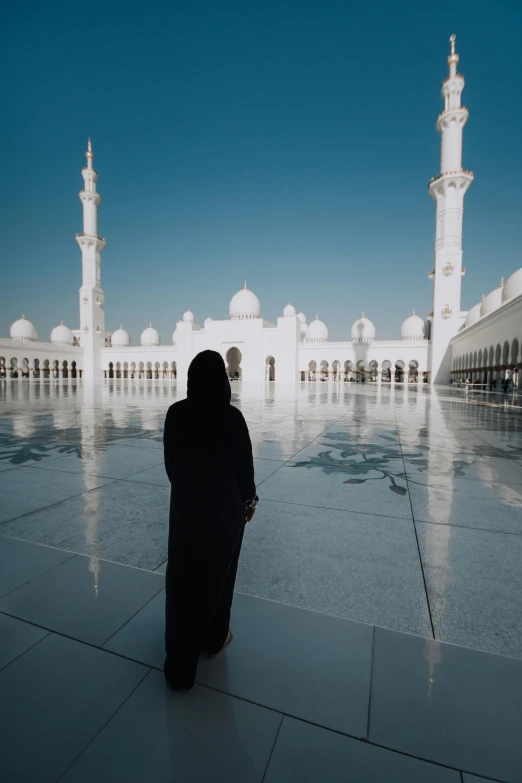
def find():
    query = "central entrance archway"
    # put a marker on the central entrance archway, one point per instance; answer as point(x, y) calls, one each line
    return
point(234, 357)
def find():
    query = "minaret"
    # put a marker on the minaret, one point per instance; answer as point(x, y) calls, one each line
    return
point(448, 189)
point(92, 317)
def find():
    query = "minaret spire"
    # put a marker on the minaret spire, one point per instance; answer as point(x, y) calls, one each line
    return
point(89, 154)
point(453, 58)
point(92, 317)
point(447, 190)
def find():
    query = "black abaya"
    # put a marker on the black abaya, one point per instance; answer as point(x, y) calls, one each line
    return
point(208, 459)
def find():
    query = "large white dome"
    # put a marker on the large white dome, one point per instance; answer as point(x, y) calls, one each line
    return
point(120, 338)
point(23, 330)
point(413, 328)
point(317, 331)
point(150, 336)
point(62, 335)
point(493, 300)
point(363, 330)
point(513, 286)
point(289, 310)
point(473, 315)
point(244, 304)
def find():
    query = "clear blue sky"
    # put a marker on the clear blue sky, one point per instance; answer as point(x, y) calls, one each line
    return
point(288, 143)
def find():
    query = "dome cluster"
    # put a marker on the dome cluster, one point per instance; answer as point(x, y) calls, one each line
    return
point(62, 335)
point(363, 330)
point(244, 304)
point(22, 329)
point(496, 298)
point(413, 328)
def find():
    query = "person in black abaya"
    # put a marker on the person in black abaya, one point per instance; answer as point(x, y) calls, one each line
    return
point(208, 459)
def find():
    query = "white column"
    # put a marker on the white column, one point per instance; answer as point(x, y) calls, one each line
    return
point(448, 190)
point(92, 315)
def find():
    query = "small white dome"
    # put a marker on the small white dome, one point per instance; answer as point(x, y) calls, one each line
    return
point(302, 317)
point(62, 335)
point(289, 310)
point(363, 330)
point(473, 315)
point(513, 286)
point(207, 322)
point(120, 338)
point(23, 330)
point(188, 317)
point(492, 301)
point(150, 336)
point(244, 304)
point(317, 331)
point(175, 336)
point(413, 328)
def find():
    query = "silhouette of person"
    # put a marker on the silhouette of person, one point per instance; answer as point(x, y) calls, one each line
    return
point(208, 459)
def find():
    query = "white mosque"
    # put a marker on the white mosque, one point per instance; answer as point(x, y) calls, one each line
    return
point(481, 346)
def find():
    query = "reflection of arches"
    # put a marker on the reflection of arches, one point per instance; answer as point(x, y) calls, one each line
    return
point(234, 357)
point(514, 351)
point(324, 370)
point(399, 371)
point(270, 368)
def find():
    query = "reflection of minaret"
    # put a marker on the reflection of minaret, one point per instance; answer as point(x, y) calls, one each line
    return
point(448, 189)
point(92, 318)
point(433, 657)
point(92, 438)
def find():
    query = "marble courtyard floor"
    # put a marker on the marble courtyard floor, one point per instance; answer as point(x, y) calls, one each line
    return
point(378, 613)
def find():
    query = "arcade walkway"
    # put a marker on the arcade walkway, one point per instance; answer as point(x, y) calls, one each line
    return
point(299, 696)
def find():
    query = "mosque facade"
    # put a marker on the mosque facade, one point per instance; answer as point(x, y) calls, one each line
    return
point(482, 345)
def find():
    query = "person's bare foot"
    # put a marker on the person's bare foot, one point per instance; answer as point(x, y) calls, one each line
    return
point(229, 638)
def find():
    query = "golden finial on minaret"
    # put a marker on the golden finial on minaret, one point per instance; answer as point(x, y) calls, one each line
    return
point(453, 58)
point(89, 154)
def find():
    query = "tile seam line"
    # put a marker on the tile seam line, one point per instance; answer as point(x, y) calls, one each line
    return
point(273, 746)
point(508, 456)
point(93, 475)
point(335, 731)
point(415, 532)
point(97, 734)
point(57, 503)
point(29, 581)
point(131, 617)
point(371, 685)
point(334, 508)
point(79, 554)
point(467, 527)
point(28, 648)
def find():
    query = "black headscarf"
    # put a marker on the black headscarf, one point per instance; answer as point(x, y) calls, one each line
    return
point(208, 387)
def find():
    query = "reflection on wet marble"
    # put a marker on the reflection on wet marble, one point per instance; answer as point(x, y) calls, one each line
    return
point(344, 472)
